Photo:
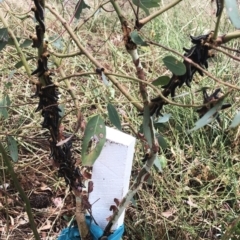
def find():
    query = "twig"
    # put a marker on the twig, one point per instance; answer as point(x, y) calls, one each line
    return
point(218, 20)
point(59, 55)
point(230, 49)
point(225, 52)
point(145, 20)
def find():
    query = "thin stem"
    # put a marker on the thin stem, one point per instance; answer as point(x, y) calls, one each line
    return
point(157, 90)
point(218, 20)
point(77, 75)
point(226, 53)
point(89, 17)
point(230, 36)
point(147, 19)
point(59, 55)
point(118, 11)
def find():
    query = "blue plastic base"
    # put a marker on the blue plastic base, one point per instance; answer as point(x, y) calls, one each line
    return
point(72, 233)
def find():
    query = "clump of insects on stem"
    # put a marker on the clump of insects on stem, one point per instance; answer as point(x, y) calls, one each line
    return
point(199, 53)
point(47, 92)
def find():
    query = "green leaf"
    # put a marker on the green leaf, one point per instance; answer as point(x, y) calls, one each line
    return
point(79, 7)
point(93, 140)
point(174, 65)
point(164, 118)
point(163, 80)
point(137, 39)
point(3, 107)
point(11, 42)
point(3, 37)
point(8, 101)
point(145, 4)
point(162, 142)
point(4, 34)
point(20, 63)
point(58, 43)
point(2, 45)
point(233, 12)
point(26, 43)
point(207, 117)
point(62, 108)
point(13, 148)
point(113, 116)
point(160, 163)
point(147, 120)
point(235, 121)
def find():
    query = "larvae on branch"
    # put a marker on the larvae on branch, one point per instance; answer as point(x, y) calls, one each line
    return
point(36, 42)
point(39, 9)
point(38, 18)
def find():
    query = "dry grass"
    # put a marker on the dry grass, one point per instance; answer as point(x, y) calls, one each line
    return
point(197, 195)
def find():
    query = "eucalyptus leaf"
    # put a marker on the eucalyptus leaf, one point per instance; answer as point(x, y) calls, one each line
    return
point(4, 34)
point(79, 7)
point(113, 116)
point(145, 4)
point(2, 44)
point(3, 37)
point(174, 65)
point(232, 9)
point(26, 43)
point(3, 107)
point(162, 142)
point(8, 101)
point(235, 121)
point(207, 117)
point(93, 140)
point(11, 42)
point(147, 120)
point(163, 80)
point(62, 108)
point(20, 63)
point(13, 148)
point(58, 43)
point(160, 163)
point(164, 118)
point(137, 39)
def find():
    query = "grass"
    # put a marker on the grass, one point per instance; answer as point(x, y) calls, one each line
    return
point(197, 195)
